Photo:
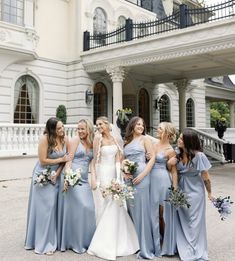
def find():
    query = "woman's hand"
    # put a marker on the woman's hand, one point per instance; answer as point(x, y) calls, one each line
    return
point(66, 157)
point(138, 179)
point(53, 179)
point(211, 198)
point(127, 176)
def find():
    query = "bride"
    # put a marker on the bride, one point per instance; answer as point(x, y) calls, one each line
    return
point(115, 234)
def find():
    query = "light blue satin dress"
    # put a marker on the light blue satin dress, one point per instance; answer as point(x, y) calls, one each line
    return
point(191, 235)
point(41, 233)
point(139, 207)
point(160, 181)
point(76, 208)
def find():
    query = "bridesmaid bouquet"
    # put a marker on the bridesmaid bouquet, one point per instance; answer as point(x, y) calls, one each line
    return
point(177, 198)
point(44, 177)
point(129, 167)
point(71, 178)
point(118, 191)
point(224, 206)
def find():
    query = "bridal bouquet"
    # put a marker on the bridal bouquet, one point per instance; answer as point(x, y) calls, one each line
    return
point(224, 206)
point(44, 177)
point(129, 167)
point(177, 198)
point(118, 191)
point(71, 178)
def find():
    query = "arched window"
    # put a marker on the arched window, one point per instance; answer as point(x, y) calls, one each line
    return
point(144, 106)
point(121, 23)
point(100, 101)
point(26, 102)
point(165, 108)
point(99, 21)
point(190, 113)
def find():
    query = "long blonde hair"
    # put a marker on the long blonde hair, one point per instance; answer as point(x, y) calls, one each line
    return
point(169, 130)
point(105, 120)
point(90, 131)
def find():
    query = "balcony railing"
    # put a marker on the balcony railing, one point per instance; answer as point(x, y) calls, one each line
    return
point(22, 139)
point(183, 18)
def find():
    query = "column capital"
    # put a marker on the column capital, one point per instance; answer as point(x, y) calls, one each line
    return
point(117, 73)
point(181, 84)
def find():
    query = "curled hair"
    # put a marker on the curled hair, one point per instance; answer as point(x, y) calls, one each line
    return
point(192, 144)
point(89, 129)
point(50, 131)
point(105, 120)
point(169, 130)
point(130, 129)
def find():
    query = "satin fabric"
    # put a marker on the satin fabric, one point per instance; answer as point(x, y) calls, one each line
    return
point(139, 207)
point(115, 234)
point(41, 233)
point(76, 224)
point(191, 235)
point(160, 181)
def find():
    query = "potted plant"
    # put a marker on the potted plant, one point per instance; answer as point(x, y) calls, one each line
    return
point(123, 117)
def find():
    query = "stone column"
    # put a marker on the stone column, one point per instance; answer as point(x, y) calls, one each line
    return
point(182, 87)
point(231, 106)
point(117, 75)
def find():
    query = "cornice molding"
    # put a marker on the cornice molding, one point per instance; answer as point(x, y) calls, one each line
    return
point(167, 55)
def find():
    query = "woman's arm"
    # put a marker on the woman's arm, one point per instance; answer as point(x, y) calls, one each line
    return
point(42, 154)
point(149, 149)
point(207, 182)
point(173, 169)
point(71, 148)
point(93, 163)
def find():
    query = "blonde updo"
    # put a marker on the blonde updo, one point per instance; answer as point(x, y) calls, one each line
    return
point(169, 131)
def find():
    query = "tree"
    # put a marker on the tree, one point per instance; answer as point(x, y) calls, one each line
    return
point(61, 113)
point(218, 111)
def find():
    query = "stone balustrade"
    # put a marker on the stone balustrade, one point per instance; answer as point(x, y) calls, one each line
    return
point(22, 139)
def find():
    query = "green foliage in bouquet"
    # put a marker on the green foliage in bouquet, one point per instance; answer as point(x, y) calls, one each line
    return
point(177, 198)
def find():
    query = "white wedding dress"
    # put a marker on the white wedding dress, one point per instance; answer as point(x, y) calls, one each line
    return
point(115, 234)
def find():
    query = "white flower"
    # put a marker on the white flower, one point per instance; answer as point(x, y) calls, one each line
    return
point(116, 197)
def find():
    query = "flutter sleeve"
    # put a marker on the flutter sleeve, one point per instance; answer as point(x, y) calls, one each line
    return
point(202, 163)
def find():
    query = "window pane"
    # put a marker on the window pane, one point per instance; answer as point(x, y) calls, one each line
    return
point(165, 109)
point(190, 113)
point(26, 100)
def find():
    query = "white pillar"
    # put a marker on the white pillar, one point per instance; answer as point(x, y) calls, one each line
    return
point(182, 87)
point(231, 106)
point(117, 75)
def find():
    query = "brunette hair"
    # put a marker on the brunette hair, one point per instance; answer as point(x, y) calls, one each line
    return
point(130, 129)
point(50, 132)
point(192, 144)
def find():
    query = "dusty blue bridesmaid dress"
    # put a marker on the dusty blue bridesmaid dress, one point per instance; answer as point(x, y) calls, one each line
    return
point(160, 181)
point(41, 233)
point(76, 208)
point(191, 235)
point(139, 208)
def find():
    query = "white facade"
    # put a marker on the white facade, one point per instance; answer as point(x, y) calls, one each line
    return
point(49, 48)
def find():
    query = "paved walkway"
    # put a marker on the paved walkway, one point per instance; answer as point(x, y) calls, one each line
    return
point(14, 190)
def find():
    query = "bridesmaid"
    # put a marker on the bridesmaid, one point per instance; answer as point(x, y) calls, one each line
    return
point(41, 234)
point(76, 206)
point(162, 213)
point(193, 168)
point(135, 148)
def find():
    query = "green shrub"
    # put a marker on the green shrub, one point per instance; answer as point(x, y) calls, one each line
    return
point(61, 113)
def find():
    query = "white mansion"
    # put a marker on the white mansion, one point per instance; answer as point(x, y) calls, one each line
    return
point(161, 77)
